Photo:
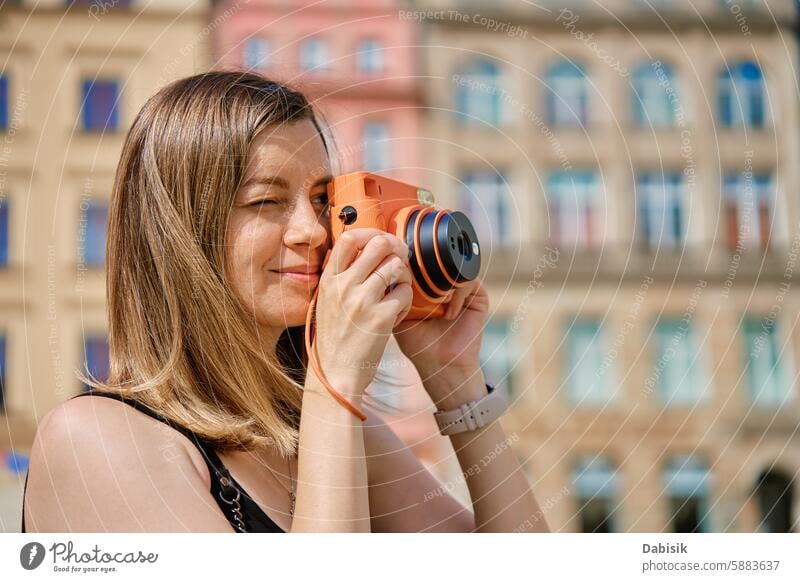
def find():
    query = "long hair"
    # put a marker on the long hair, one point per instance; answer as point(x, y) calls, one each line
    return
point(180, 341)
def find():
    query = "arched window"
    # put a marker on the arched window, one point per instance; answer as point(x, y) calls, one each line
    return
point(567, 95)
point(774, 494)
point(742, 100)
point(479, 95)
point(655, 96)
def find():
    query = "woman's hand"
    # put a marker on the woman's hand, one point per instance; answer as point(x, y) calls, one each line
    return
point(446, 350)
point(354, 314)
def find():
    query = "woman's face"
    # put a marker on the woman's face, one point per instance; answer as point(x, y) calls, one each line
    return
point(278, 232)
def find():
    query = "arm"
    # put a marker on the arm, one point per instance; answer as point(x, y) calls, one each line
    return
point(332, 472)
point(99, 466)
point(501, 495)
point(403, 495)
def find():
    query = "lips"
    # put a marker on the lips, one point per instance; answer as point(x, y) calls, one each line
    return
point(302, 273)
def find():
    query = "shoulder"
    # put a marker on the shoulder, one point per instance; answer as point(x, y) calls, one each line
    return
point(98, 464)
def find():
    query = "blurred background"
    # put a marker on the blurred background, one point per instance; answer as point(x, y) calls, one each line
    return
point(631, 167)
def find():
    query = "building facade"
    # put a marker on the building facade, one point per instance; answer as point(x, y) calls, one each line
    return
point(74, 76)
point(632, 173)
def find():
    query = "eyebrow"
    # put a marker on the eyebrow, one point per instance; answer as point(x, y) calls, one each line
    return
point(281, 182)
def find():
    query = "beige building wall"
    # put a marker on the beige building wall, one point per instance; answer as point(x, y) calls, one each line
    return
point(635, 432)
point(48, 168)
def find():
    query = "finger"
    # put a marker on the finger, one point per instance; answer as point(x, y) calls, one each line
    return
point(392, 270)
point(398, 301)
point(347, 247)
point(375, 251)
point(457, 301)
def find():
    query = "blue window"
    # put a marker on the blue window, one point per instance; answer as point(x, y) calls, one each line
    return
point(313, 54)
point(654, 96)
point(676, 370)
point(2, 372)
point(92, 236)
point(749, 209)
point(572, 207)
point(370, 56)
point(377, 147)
point(3, 102)
point(479, 93)
point(688, 487)
point(100, 105)
point(95, 349)
point(661, 201)
point(4, 231)
point(484, 197)
point(497, 356)
point(596, 488)
point(766, 368)
point(567, 91)
point(256, 53)
point(742, 100)
point(588, 376)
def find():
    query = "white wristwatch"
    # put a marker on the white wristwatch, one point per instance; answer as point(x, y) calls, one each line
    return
point(472, 415)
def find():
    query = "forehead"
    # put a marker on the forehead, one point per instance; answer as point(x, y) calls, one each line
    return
point(286, 149)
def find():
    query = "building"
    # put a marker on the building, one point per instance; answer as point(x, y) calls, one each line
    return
point(74, 76)
point(632, 173)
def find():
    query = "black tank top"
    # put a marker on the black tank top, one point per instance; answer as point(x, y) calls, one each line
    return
point(224, 488)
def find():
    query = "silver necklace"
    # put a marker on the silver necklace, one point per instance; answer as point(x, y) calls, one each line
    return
point(291, 490)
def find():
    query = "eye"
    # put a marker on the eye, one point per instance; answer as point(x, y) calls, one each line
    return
point(321, 199)
point(263, 202)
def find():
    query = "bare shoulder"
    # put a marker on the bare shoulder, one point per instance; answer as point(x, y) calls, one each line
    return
point(98, 464)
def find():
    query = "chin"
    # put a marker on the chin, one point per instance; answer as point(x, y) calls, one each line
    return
point(291, 314)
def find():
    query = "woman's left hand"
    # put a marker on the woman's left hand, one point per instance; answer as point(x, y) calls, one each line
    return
point(446, 350)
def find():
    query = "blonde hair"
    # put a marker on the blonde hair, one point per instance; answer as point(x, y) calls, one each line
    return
point(180, 341)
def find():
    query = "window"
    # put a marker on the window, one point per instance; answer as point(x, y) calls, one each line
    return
point(652, 103)
point(314, 54)
point(660, 200)
point(4, 231)
point(2, 373)
point(96, 355)
point(687, 484)
point(485, 199)
point(741, 96)
point(497, 356)
point(571, 198)
point(595, 483)
point(100, 105)
point(92, 236)
point(766, 369)
point(749, 208)
point(256, 53)
point(774, 494)
point(676, 370)
point(370, 56)
point(3, 103)
point(588, 379)
point(567, 95)
point(377, 147)
point(479, 93)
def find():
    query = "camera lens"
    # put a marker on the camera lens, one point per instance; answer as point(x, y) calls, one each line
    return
point(444, 250)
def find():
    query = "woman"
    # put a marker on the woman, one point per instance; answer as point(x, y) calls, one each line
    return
point(217, 232)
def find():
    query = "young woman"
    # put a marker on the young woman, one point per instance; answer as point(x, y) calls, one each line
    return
point(217, 233)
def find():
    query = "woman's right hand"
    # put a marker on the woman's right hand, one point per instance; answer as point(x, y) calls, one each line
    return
point(354, 314)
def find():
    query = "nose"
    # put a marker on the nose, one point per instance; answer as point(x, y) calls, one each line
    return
point(305, 227)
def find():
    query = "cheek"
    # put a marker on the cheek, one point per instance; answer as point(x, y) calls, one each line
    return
point(254, 246)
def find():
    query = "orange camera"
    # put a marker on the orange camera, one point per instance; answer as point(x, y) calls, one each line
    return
point(444, 252)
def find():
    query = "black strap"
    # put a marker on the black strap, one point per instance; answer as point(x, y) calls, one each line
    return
point(241, 511)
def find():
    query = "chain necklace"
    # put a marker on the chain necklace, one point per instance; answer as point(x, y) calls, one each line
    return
point(291, 490)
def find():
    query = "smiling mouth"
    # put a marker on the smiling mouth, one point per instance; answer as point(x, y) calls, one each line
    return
point(302, 276)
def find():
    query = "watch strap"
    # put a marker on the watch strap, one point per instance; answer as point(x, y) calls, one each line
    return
point(472, 415)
